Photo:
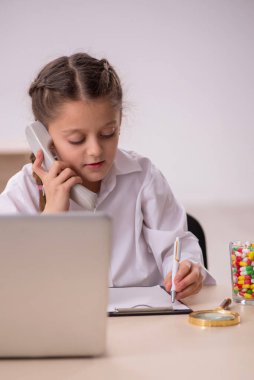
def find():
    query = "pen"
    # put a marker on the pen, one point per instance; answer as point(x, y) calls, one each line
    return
point(176, 261)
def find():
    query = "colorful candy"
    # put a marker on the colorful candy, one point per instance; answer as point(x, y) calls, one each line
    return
point(242, 265)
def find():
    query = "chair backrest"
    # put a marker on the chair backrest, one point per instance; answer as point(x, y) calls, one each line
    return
point(195, 227)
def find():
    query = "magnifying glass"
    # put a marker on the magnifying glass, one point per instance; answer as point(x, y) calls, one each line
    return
point(215, 317)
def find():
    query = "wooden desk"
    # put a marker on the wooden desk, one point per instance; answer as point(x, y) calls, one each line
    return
point(153, 347)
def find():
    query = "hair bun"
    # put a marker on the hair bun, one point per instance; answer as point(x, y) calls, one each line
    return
point(106, 64)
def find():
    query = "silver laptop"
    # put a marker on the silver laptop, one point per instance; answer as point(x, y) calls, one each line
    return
point(54, 284)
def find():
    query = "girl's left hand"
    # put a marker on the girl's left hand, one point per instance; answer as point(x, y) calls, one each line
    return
point(188, 279)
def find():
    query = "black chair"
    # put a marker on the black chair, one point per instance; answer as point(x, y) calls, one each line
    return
point(195, 227)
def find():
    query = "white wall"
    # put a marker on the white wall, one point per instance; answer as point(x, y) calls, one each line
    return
point(187, 71)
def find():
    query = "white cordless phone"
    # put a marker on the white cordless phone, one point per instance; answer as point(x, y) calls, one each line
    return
point(39, 138)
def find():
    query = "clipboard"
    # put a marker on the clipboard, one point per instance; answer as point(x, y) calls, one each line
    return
point(152, 300)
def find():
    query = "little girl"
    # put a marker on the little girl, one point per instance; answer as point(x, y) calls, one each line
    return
point(79, 101)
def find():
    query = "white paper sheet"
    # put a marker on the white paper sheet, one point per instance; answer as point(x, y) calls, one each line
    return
point(135, 297)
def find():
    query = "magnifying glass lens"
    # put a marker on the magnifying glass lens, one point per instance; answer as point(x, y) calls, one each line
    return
point(215, 316)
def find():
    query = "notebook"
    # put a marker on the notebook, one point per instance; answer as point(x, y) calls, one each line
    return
point(54, 284)
point(143, 301)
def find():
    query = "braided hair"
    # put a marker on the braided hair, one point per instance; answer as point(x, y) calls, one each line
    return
point(71, 78)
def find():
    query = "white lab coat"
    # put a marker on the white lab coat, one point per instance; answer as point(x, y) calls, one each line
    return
point(146, 219)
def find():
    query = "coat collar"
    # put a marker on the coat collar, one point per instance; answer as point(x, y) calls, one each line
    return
point(125, 163)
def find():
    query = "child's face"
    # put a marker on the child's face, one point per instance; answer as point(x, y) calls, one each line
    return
point(85, 135)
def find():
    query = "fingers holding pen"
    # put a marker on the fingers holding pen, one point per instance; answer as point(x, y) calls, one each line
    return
point(194, 288)
point(180, 278)
point(188, 280)
point(168, 282)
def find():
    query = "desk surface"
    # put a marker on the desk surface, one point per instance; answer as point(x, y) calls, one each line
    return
point(151, 346)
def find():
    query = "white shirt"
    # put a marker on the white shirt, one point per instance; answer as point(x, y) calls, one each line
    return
point(146, 219)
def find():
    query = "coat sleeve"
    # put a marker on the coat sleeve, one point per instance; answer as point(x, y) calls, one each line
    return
point(163, 220)
point(20, 194)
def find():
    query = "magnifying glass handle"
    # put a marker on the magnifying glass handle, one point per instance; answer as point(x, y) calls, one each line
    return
point(225, 303)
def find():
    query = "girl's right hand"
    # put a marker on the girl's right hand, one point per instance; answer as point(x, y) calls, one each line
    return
point(57, 184)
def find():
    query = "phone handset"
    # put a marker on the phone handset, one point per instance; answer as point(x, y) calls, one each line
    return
point(39, 138)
